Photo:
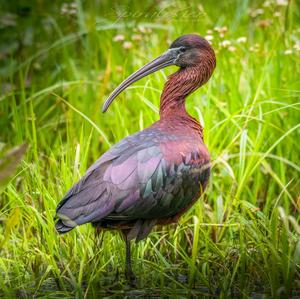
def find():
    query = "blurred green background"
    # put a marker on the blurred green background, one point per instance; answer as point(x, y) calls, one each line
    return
point(58, 63)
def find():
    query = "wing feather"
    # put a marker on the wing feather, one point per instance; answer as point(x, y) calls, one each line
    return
point(141, 177)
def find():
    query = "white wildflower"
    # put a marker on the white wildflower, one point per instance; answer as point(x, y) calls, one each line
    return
point(297, 46)
point(267, 4)
point(277, 14)
point(69, 8)
point(223, 29)
point(209, 37)
point(231, 48)
point(259, 11)
point(119, 69)
point(136, 37)
point(127, 45)
point(242, 40)
point(225, 43)
point(119, 38)
point(142, 29)
point(282, 2)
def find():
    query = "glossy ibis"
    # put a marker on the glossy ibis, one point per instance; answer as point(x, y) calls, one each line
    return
point(153, 176)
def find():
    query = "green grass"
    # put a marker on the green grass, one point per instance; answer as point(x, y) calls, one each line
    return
point(241, 239)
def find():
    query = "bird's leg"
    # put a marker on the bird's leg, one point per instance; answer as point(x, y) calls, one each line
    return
point(128, 269)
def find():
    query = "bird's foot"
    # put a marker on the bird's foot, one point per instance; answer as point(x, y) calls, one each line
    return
point(131, 278)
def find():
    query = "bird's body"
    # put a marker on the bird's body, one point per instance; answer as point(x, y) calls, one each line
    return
point(140, 181)
point(155, 175)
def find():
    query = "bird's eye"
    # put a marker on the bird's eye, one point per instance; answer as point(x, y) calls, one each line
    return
point(182, 49)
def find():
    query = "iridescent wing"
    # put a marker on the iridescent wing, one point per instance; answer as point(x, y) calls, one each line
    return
point(141, 177)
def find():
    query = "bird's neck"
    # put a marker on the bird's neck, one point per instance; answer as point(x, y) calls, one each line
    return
point(178, 86)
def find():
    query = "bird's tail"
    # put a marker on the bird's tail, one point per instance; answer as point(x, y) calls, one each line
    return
point(64, 224)
point(61, 227)
point(87, 201)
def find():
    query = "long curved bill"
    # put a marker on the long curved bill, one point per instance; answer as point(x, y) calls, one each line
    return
point(166, 59)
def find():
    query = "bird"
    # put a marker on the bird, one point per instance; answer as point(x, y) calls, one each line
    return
point(153, 176)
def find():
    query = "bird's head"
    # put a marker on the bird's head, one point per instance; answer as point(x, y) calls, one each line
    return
point(191, 50)
point(186, 51)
